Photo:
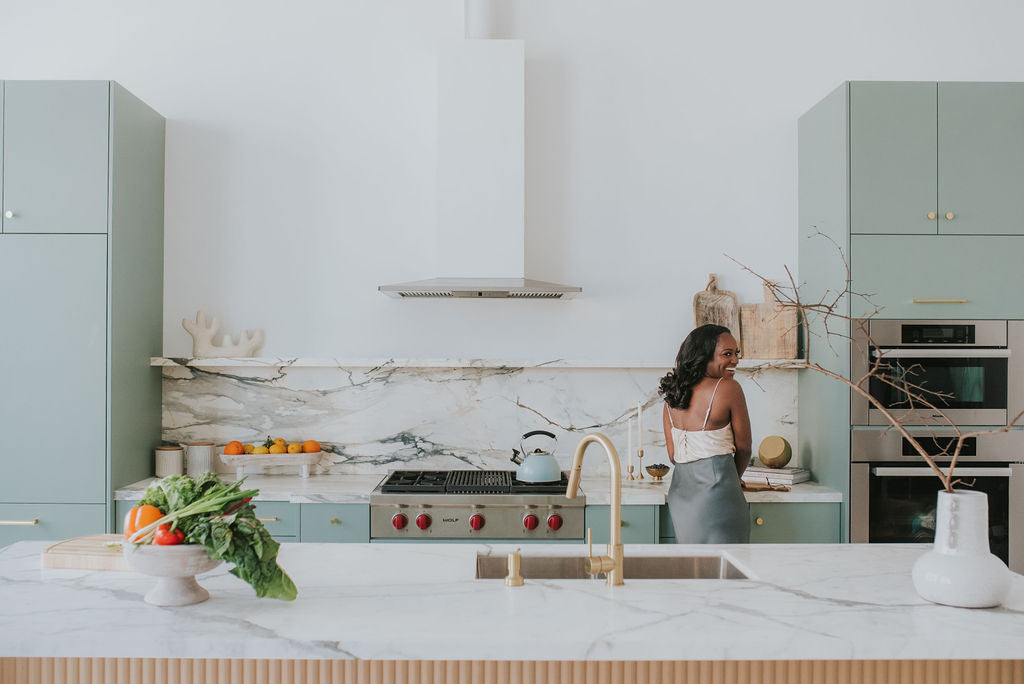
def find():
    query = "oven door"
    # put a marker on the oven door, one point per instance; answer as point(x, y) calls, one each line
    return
point(972, 384)
point(895, 503)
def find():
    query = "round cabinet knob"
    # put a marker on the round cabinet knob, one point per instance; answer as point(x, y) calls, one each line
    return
point(423, 521)
point(555, 522)
point(476, 521)
point(950, 216)
point(8, 214)
point(399, 521)
point(759, 521)
point(931, 215)
point(531, 521)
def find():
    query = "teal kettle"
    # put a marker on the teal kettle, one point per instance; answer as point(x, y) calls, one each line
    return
point(536, 458)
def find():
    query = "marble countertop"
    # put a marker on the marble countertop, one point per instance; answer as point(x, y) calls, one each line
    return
point(357, 488)
point(421, 601)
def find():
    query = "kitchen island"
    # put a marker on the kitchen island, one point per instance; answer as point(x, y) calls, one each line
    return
point(416, 613)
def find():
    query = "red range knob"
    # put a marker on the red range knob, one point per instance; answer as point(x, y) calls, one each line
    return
point(531, 521)
point(555, 521)
point(476, 521)
point(399, 521)
point(423, 521)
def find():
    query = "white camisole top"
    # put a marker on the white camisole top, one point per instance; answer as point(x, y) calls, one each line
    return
point(693, 445)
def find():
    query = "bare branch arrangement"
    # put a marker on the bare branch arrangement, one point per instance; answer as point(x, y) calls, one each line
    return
point(918, 397)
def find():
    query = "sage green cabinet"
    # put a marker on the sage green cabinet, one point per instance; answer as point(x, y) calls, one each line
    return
point(335, 522)
point(81, 271)
point(639, 524)
point(280, 518)
point(936, 158)
point(981, 277)
point(46, 521)
point(780, 523)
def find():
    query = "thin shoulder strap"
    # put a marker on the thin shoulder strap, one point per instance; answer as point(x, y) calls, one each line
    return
point(705, 425)
point(669, 409)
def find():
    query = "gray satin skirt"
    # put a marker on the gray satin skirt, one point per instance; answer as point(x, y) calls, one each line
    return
point(707, 504)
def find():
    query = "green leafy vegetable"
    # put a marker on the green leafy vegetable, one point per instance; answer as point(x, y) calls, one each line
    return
point(220, 517)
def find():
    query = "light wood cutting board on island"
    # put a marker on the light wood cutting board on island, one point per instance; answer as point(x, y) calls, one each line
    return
point(94, 552)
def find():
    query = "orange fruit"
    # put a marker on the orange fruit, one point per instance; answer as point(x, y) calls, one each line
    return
point(294, 448)
point(233, 448)
point(278, 449)
point(139, 517)
point(310, 446)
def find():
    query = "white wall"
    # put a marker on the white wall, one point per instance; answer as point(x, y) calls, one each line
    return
point(300, 152)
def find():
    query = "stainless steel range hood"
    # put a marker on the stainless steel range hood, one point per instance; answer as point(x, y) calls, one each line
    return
point(481, 288)
point(480, 232)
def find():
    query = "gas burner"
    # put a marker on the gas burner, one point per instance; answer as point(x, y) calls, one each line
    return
point(467, 482)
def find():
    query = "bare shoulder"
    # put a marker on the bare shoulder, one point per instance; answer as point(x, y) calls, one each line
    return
point(731, 388)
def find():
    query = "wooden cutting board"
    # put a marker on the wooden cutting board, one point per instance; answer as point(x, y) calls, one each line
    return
point(762, 487)
point(715, 306)
point(769, 331)
point(95, 552)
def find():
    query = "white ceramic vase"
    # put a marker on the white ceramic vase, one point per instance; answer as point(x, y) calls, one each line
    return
point(959, 570)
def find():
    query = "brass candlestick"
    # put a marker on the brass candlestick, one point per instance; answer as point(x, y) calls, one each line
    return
point(629, 469)
point(640, 462)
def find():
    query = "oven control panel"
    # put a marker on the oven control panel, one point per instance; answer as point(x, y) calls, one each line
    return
point(440, 522)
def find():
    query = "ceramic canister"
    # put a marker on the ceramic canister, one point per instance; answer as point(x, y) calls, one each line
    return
point(198, 458)
point(169, 460)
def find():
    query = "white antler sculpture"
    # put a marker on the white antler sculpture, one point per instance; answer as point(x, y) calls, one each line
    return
point(203, 332)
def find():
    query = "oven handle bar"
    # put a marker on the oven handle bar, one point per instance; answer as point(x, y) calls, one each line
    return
point(963, 353)
point(923, 471)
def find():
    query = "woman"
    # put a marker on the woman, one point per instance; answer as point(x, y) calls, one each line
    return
point(707, 433)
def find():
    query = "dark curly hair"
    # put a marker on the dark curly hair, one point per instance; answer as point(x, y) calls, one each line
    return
point(691, 365)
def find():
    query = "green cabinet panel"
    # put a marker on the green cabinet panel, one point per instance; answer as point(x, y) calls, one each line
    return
point(892, 157)
point(666, 531)
point(56, 149)
point(897, 269)
point(54, 289)
point(981, 158)
point(639, 524)
point(51, 521)
point(279, 517)
point(335, 522)
point(794, 523)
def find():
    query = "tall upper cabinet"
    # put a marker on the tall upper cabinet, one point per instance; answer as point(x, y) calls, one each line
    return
point(81, 270)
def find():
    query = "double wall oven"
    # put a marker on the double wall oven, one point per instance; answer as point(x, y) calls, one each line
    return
point(977, 370)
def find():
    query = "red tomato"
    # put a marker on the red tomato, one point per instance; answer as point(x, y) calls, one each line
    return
point(139, 517)
point(164, 536)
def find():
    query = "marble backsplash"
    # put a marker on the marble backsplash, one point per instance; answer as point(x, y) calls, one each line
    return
point(371, 420)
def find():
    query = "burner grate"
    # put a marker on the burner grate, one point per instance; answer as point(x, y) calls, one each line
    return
point(479, 482)
point(520, 487)
point(424, 481)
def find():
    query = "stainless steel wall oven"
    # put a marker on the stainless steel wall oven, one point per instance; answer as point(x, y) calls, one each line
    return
point(977, 365)
point(893, 491)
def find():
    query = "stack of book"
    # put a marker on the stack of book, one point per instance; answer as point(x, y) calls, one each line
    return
point(777, 476)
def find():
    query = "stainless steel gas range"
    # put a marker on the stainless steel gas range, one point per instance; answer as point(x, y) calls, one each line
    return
point(484, 505)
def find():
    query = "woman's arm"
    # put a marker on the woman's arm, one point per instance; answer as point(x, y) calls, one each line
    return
point(666, 423)
point(740, 427)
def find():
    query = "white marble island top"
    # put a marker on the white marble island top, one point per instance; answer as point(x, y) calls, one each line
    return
point(421, 601)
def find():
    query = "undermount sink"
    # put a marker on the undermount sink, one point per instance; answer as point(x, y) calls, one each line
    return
point(634, 567)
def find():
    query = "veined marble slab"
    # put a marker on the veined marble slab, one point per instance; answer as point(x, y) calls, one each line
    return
point(372, 419)
point(803, 601)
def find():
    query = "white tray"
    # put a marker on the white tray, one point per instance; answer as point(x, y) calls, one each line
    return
point(240, 461)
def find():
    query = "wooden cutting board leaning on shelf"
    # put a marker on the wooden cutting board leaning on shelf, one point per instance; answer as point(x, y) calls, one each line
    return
point(95, 552)
point(718, 307)
point(769, 331)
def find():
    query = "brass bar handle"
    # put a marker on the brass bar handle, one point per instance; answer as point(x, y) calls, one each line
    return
point(940, 301)
point(34, 521)
point(267, 519)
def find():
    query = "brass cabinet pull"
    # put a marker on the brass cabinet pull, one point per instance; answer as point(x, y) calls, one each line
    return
point(940, 301)
point(931, 215)
point(623, 523)
point(759, 520)
point(335, 521)
point(950, 216)
point(267, 519)
point(34, 521)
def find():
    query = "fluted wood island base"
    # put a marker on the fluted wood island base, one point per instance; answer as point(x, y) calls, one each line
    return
point(234, 671)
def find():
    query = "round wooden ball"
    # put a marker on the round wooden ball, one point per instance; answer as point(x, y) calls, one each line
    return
point(774, 452)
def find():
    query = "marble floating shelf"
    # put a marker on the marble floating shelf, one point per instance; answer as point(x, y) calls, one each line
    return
point(314, 362)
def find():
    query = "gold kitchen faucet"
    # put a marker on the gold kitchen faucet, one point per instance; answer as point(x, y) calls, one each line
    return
point(611, 564)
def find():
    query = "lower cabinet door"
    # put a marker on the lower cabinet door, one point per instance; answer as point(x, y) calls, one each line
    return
point(639, 524)
point(794, 523)
point(56, 522)
point(666, 532)
point(279, 517)
point(335, 523)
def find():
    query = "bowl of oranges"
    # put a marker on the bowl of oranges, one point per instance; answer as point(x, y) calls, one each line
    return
point(272, 451)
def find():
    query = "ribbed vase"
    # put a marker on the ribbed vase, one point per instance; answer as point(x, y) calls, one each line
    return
point(959, 570)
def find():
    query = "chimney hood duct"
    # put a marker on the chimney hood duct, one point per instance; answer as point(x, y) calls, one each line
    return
point(480, 234)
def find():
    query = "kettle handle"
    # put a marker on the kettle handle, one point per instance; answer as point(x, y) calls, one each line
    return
point(534, 433)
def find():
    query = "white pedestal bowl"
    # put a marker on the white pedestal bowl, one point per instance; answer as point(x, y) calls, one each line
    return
point(176, 568)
